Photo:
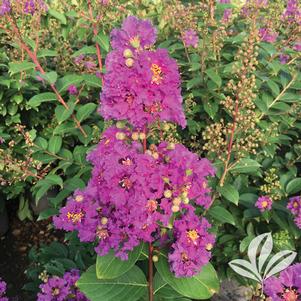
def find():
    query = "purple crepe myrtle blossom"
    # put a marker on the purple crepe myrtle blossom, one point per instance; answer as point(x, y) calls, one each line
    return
point(264, 203)
point(134, 34)
point(284, 58)
point(143, 92)
point(297, 46)
point(227, 15)
point(61, 288)
point(294, 206)
point(224, 1)
point(90, 65)
point(78, 60)
point(3, 290)
point(72, 90)
point(287, 287)
point(190, 38)
point(32, 6)
point(5, 7)
point(292, 12)
point(267, 35)
point(136, 193)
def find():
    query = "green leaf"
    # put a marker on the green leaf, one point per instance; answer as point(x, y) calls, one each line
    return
point(68, 80)
point(246, 166)
point(55, 144)
point(51, 180)
point(201, 286)
point(85, 50)
point(130, 286)
point(50, 77)
point(61, 113)
point(274, 87)
point(42, 190)
point(293, 186)
point(92, 80)
point(230, 193)
point(103, 41)
point(41, 142)
point(85, 111)
point(36, 100)
point(110, 266)
point(47, 213)
point(196, 81)
point(163, 289)
point(212, 74)
point(59, 16)
point(46, 52)
point(222, 214)
point(19, 67)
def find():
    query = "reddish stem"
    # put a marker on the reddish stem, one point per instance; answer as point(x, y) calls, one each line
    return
point(95, 33)
point(34, 58)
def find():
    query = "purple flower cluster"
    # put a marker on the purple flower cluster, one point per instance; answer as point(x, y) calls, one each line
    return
point(3, 290)
point(140, 85)
point(32, 6)
point(138, 192)
point(294, 206)
point(268, 35)
point(190, 38)
point(287, 287)
point(132, 193)
point(292, 12)
point(72, 90)
point(227, 15)
point(61, 288)
point(264, 203)
point(5, 7)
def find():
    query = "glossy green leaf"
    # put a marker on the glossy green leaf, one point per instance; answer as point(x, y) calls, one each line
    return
point(55, 144)
point(20, 66)
point(213, 75)
point(230, 193)
point(222, 214)
point(85, 111)
point(246, 166)
point(110, 266)
point(130, 286)
point(59, 16)
point(293, 186)
point(36, 100)
point(103, 41)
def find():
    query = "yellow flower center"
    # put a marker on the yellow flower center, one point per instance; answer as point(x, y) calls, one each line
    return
point(157, 74)
point(184, 256)
point(75, 217)
point(135, 42)
point(264, 204)
point(295, 204)
point(193, 235)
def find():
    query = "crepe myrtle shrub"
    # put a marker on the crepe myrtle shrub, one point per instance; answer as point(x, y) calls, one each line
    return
point(143, 200)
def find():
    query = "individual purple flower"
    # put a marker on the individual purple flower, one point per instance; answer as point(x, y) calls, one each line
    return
point(264, 203)
point(31, 6)
point(61, 288)
point(134, 34)
point(224, 1)
point(190, 38)
point(294, 206)
point(90, 65)
point(292, 12)
point(78, 60)
point(3, 290)
point(268, 35)
point(5, 7)
point(72, 90)
point(227, 15)
point(287, 287)
point(284, 58)
point(297, 46)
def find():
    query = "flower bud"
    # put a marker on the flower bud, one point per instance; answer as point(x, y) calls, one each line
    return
point(135, 136)
point(135, 42)
point(168, 194)
point(120, 136)
point(186, 201)
point(142, 136)
point(120, 124)
point(127, 53)
point(176, 201)
point(209, 247)
point(155, 156)
point(79, 198)
point(129, 62)
point(166, 127)
point(155, 258)
point(175, 208)
point(171, 146)
point(104, 220)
